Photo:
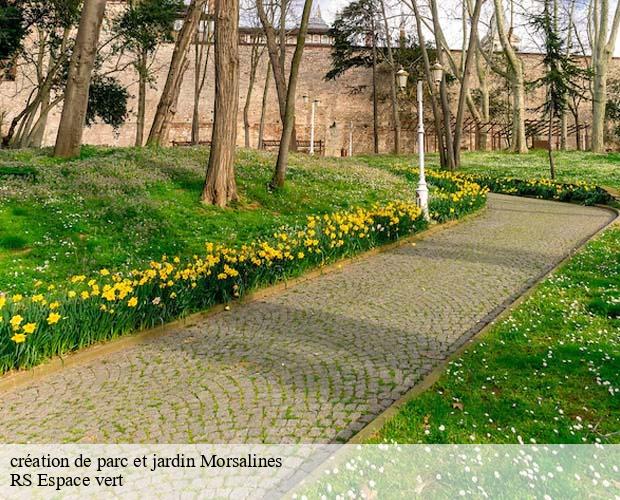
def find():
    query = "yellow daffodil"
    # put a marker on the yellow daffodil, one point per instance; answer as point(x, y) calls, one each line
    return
point(16, 321)
point(18, 338)
point(53, 318)
point(30, 327)
point(133, 302)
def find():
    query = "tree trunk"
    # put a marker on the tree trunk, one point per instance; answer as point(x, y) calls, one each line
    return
point(289, 117)
point(603, 45)
point(575, 113)
point(393, 91)
point(178, 66)
point(429, 81)
point(263, 112)
point(599, 103)
point(375, 97)
point(176, 93)
point(35, 139)
point(254, 62)
point(69, 139)
point(202, 51)
point(516, 80)
point(276, 48)
point(220, 187)
point(142, 75)
point(550, 147)
point(519, 141)
point(466, 72)
point(443, 93)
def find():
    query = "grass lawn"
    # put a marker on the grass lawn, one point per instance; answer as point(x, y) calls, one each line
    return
point(118, 241)
point(120, 208)
point(572, 166)
point(550, 371)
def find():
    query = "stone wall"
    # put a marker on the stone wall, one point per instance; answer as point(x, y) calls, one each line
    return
point(342, 102)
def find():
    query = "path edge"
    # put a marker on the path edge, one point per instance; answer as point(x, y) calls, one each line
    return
point(15, 379)
point(480, 330)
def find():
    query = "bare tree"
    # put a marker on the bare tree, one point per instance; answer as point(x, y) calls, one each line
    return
point(255, 58)
point(178, 66)
point(289, 115)
point(392, 70)
point(276, 48)
point(513, 73)
point(202, 51)
point(263, 112)
point(220, 187)
point(437, 115)
point(69, 138)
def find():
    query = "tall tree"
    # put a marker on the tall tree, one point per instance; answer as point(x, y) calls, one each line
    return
point(178, 65)
point(49, 27)
point(141, 29)
point(69, 138)
point(220, 187)
point(392, 69)
point(603, 42)
point(279, 174)
point(276, 40)
point(355, 45)
point(516, 76)
point(513, 72)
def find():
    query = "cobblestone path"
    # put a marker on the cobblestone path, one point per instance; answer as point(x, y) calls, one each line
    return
point(316, 362)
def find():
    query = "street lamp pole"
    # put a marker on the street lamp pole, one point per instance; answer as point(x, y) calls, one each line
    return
point(351, 140)
point(436, 77)
point(312, 121)
point(422, 191)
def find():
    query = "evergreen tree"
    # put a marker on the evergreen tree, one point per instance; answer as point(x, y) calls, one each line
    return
point(12, 30)
point(562, 76)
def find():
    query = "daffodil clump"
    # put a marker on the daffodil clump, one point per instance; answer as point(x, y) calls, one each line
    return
point(61, 318)
point(87, 309)
point(454, 196)
point(577, 192)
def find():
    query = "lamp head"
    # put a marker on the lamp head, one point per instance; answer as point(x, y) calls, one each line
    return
point(437, 72)
point(401, 78)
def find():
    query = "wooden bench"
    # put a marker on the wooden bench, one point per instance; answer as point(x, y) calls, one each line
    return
point(302, 146)
point(184, 144)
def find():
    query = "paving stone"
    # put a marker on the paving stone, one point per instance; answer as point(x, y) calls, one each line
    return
point(316, 362)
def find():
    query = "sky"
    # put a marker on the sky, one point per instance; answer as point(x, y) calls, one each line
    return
point(329, 8)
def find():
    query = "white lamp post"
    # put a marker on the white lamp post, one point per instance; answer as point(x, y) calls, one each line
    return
point(437, 76)
point(315, 103)
point(351, 140)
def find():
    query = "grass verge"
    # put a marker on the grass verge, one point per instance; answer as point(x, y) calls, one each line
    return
point(100, 304)
point(548, 373)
